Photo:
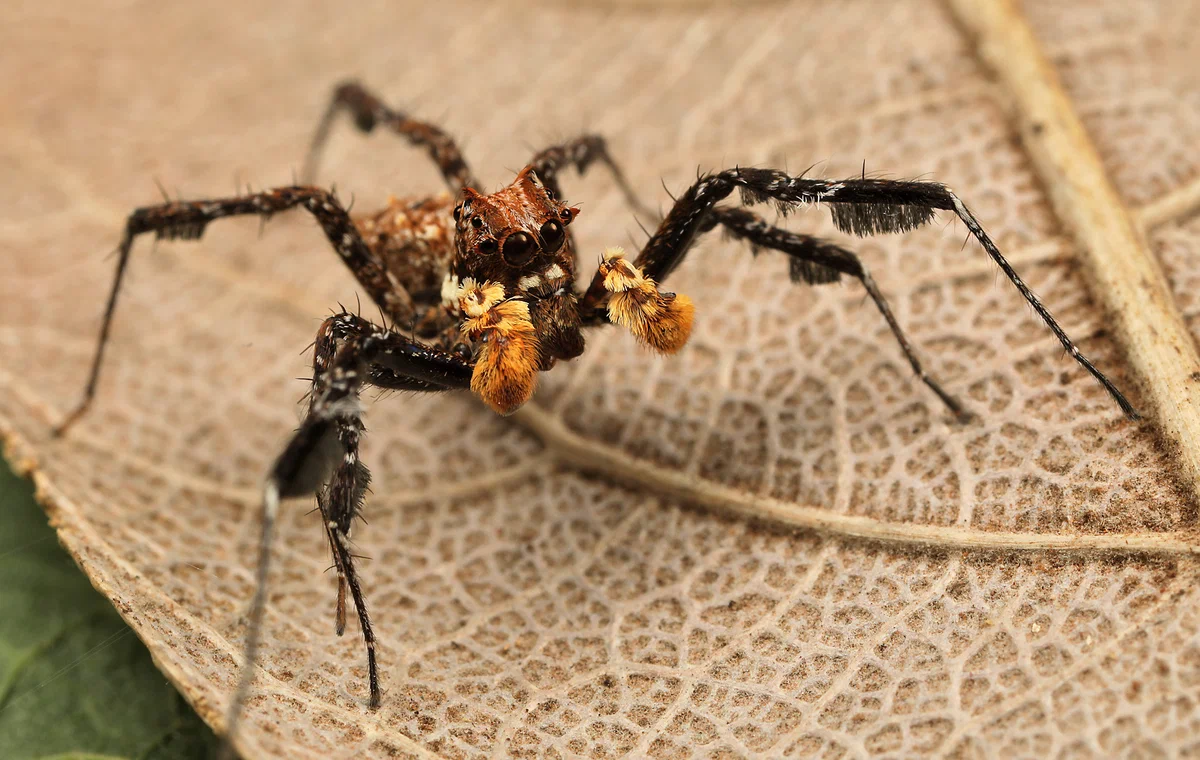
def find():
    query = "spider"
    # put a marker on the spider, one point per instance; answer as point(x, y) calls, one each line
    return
point(489, 282)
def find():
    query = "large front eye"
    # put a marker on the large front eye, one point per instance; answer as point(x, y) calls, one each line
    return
point(552, 235)
point(518, 249)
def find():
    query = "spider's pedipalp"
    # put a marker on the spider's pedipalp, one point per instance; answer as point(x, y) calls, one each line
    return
point(658, 319)
point(509, 356)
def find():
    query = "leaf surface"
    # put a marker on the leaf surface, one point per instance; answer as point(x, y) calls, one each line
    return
point(775, 543)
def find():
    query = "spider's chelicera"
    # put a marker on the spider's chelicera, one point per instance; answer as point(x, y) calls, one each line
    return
point(490, 283)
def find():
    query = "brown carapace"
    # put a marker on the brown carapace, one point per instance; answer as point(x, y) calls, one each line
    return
point(484, 286)
point(505, 267)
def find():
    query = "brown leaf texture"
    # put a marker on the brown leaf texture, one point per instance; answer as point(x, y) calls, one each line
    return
point(775, 544)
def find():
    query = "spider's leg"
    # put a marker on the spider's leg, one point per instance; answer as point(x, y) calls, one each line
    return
point(817, 261)
point(368, 111)
point(322, 457)
point(188, 219)
point(860, 206)
point(341, 498)
point(582, 152)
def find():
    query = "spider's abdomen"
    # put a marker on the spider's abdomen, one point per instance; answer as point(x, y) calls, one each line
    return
point(415, 237)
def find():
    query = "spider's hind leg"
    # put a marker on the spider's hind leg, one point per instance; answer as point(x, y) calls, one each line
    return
point(582, 152)
point(369, 111)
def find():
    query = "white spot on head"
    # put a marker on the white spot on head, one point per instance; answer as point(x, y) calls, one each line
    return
point(529, 283)
point(553, 273)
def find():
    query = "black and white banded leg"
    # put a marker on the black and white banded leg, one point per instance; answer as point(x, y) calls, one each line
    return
point(322, 458)
point(187, 220)
point(859, 206)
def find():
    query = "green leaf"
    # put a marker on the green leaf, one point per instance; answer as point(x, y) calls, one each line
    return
point(75, 682)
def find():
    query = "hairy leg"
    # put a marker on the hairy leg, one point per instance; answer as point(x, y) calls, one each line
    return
point(187, 220)
point(817, 261)
point(582, 152)
point(860, 206)
point(322, 457)
point(368, 111)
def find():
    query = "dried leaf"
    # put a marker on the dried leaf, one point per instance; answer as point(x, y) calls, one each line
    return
point(658, 557)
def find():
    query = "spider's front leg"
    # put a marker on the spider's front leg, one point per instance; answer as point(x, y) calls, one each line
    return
point(817, 262)
point(322, 457)
point(859, 206)
point(187, 220)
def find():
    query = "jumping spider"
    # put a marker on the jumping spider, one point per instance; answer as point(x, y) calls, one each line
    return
point(489, 281)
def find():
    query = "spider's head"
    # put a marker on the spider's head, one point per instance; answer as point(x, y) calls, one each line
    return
point(516, 236)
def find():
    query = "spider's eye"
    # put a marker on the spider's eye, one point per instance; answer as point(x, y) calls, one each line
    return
point(566, 216)
point(518, 249)
point(476, 222)
point(552, 235)
point(487, 245)
point(457, 212)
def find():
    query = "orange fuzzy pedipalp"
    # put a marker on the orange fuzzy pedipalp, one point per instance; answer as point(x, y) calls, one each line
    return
point(506, 366)
point(506, 370)
point(663, 321)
